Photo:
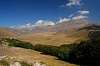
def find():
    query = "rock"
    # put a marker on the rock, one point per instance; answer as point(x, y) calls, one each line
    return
point(39, 64)
point(2, 57)
point(15, 64)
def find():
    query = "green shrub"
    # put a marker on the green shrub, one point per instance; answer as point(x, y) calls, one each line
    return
point(62, 52)
point(17, 43)
point(4, 63)
point(25, 64)
point(47, 49)
point(87, 52)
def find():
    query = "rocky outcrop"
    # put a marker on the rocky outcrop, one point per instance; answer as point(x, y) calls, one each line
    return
point(15, 64)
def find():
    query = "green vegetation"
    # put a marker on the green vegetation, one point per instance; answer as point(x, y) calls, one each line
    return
point(25, 64)
point(4, 63)
point(47, 49)
point(61, 51)
point(17, 43)
point(87, 52)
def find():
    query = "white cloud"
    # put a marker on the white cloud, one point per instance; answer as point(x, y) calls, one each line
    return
point(44, 23)
point(81, 14)
point(28, 25)
point(84, 12)
point(74, 3)
point(64, 20)
point(31, 26)
point(79, 17)
point(73, 14)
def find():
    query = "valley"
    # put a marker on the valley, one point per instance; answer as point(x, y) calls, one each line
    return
point(67, 35)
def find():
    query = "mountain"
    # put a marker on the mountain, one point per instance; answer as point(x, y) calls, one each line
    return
point(70, 25)
point(65, 32)
point(93, 31)
point(61, 33)
point(7, 32)
point(48, 26)
point(91, 27)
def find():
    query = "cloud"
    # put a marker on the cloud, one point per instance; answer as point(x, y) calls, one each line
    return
point(74, 3)
point(84, 12)
point(72, 14)
point(28, 25)
point(80, 14)
point(31, 26)
point(64, 20)
point(44, 23)
point(79, 17)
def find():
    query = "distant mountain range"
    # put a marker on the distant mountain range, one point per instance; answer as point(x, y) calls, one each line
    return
point(48, 26)
point(49, 33)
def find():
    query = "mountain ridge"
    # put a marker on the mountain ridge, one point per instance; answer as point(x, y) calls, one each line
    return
point(62, 33)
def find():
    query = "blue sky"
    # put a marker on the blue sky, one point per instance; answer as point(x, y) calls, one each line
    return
point(15, 12)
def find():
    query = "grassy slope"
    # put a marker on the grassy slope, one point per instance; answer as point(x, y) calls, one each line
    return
point(4, 32)
point(30, 55)
point(55, 38)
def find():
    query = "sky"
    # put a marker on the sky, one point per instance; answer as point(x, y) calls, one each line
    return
point(16, 12)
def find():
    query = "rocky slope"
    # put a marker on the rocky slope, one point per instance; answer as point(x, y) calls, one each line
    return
point(14, 56)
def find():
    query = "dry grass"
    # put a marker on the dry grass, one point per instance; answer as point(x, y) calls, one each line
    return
point(30, 55)
point(53, 38)
point(6, 33)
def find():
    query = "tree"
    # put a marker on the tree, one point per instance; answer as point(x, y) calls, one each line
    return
point(87, 52)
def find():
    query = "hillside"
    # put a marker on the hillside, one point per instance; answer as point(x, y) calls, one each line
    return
point(7, 32)
point(62, 33)
point(54, 38)
point(12, 54)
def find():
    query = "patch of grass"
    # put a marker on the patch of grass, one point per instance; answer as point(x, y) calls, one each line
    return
point(18, 43)
point(4, 63)
point(25, 64)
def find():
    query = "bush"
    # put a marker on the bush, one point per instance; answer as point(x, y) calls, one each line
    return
point(62, 52)
point(87, 52)
point(47, 49)
point(17, 43)
point(25, 64)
